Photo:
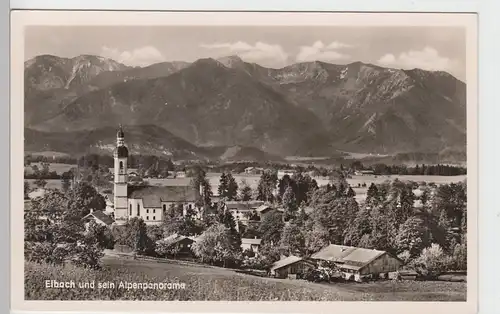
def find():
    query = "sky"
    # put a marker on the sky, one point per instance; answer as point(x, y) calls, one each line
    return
point(428, 48)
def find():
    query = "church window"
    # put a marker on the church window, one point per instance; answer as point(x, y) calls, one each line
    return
point(190, 206)
point(164, 207)
point(154, 218)
point(147, 211)
point(121, 164)
point(130, 210)
point(147, 217)
point(138, 209)
point(154, 211)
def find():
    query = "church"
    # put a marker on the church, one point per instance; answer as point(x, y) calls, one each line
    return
point(145, 201)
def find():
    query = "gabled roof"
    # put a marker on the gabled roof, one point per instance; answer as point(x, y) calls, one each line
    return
point(153, 196)
point(263, 207)
point(286, 261)
point(100, 216)
point(175, 238)
point(238, 205)
point(348, 255)
point(250, 241)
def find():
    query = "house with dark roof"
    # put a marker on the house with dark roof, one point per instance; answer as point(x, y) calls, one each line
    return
point(99, 217)
point(359, 263)
point(251, 244)
point(240, 210)
point(291, 267)
point(180, 245)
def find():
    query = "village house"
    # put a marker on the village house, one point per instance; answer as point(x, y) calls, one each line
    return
point(282, 173)
point(253, 170)
point(99, 217)
point(263, 209)
point(359, 263)
point(147, 202)
point(291, 267)
point(251, 244)
point(364, 172)
point(182, 243)
point(240, 210)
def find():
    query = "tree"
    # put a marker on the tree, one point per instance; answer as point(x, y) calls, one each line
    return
point(360, 226)
point(214, 246)
point(84, 197)
point(271, 227)
point(283, 184)
point(316, 238)
point(54, 232)
point(432, 261)
point(200, 183)
point(134, 234)
point(175, 222)
point(460, 256)
point(100, 235)
point(333, 212)
point(232, 188)
point(223, 185)
point(289, 203)
point(293, 241)
point(26, 189)
point(412, 236)
point(266, 186)
point(166, 248)
point(245, 192)
point(227, 219)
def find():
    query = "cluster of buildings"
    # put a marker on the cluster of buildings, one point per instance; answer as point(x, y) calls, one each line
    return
point(151, 203)
point(353, 263)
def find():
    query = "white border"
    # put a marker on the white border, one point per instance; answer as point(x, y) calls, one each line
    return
point(489, 111)
point(255, 5)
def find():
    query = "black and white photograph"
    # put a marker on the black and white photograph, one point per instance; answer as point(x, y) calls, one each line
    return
point(259, 162)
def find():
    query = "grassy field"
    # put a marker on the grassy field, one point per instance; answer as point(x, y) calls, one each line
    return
point(253, 180)
point(217, 284)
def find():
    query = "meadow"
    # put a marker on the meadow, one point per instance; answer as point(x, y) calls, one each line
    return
point(253, 180)
point(216, 284)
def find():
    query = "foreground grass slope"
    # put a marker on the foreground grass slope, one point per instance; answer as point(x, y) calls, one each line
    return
point(215, 284)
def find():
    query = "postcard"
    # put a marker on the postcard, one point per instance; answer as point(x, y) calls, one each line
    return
point(293, 162)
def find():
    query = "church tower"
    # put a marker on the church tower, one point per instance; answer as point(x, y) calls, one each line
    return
point(120, 176)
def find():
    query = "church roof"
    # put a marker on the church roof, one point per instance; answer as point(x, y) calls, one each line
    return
point(120, 132)
point(121, 152)
point(153, 196)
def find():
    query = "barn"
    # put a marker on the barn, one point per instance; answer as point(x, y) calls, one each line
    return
point(359, 263)
point(291, 266)
point(179, 244)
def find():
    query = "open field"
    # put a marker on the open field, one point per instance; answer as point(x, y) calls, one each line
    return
point(212, 283)
point(253, 180)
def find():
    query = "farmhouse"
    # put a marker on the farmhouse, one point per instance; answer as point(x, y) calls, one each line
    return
point(182, 244)
point(147, 202)
point(250, 244)
point(263, 209)
point(364, 172)
point(99, 217)
point(291, 267)
point(282, 173)
point(359, 263)
point(253, 170)
point(241, 210)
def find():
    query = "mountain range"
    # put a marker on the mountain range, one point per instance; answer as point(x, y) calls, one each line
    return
point(234, 107)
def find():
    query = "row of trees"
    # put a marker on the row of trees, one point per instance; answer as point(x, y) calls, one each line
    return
point(432, 237)
point(427, 170)
point(54, 230)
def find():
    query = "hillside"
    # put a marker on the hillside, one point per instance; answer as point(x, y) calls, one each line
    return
point(143, 139)
point(307, 109)
point(206, 104)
